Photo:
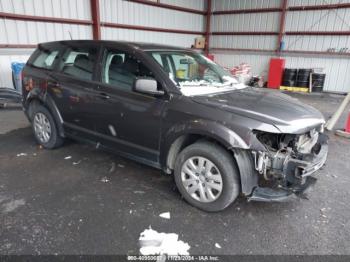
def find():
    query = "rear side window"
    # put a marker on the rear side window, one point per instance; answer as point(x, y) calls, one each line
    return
point(79, 62)
point(45, 58)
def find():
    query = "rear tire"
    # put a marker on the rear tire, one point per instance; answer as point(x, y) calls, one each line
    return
point(207, 176)
point(44, 127)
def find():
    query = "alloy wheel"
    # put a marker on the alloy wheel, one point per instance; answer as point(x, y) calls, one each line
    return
point(42, 127)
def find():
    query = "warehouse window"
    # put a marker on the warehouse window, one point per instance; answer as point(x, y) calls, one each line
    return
point(45, 59)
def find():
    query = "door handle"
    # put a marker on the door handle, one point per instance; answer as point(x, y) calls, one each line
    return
point(104, 96)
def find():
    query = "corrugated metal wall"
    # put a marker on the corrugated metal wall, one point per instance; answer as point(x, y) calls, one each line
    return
point(323, 20)
point(243, 4)
point(124, 12)
point(194, 4)
point(116, 11)
point(336, 67)
point(337, 70)
point(26, 32)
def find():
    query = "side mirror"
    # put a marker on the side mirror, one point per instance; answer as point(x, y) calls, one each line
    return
point(147, 86)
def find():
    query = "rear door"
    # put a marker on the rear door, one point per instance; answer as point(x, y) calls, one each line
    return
point(73, 86)
point(131, 121)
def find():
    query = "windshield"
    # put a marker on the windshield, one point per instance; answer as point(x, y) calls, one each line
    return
point(194, 74)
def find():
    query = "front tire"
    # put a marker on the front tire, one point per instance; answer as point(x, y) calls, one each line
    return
point(44, 128)
point(207, 176)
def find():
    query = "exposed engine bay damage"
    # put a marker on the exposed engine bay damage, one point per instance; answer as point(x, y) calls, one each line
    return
point(288, 162)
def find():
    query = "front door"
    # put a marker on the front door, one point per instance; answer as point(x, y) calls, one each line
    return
point(131, 121)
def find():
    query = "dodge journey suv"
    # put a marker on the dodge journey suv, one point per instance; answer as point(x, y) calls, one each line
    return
point(175, 110)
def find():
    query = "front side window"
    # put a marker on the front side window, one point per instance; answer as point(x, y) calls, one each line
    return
point(193, 73)
point(79, 62)
point(45, 58)
point(120, 69)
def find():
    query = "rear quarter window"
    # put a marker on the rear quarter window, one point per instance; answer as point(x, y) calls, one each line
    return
point(45, 58)
point(79, 62)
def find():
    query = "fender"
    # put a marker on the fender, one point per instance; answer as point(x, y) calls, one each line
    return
point(45, 99)
point(212, 129)
point(218, 132)
point(176, 136)
point(248, 174)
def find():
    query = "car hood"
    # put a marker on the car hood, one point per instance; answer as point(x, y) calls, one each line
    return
point(287, 114)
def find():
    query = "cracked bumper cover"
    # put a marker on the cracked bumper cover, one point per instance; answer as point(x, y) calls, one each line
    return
point(297, 173)
point(299, 169)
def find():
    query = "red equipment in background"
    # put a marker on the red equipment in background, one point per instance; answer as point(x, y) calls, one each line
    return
point(347, 127)
point(276, 72)
point(210, 56)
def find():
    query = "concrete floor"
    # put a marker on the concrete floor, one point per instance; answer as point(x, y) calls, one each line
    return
point(98, 203)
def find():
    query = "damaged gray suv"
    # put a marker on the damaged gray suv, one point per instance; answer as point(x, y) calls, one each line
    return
point(175, 110)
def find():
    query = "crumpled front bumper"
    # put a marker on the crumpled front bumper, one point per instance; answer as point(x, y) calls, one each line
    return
point(296, 169)
point(296, 173)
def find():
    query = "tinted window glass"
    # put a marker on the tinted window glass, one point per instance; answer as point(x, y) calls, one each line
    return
point(45, 58)
point(79, 62)
point(120, 70)
point(158, 58)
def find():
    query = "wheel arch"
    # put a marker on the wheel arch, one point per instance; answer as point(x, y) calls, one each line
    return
point(35, 97)
point(222, 136)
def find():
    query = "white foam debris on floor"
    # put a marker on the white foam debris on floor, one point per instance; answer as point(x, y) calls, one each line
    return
point(217, 245)
point(76, 163)
point(22, 154)
point(112, 169)
point(154, 243)
point(121, 166)
point(67, 157)
point(104, 179)
point(165, 215)
point(12, 205)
